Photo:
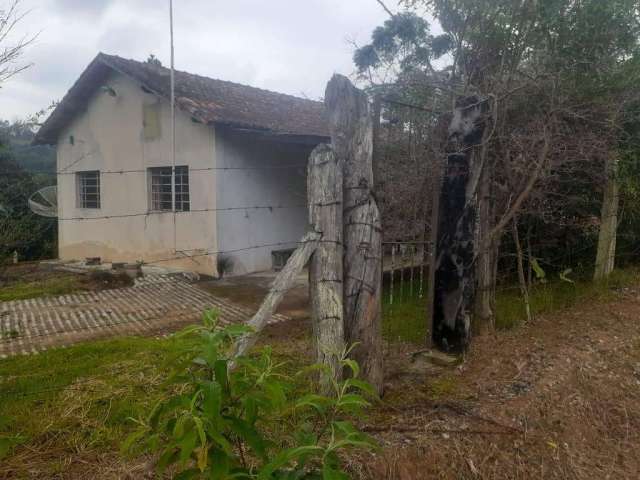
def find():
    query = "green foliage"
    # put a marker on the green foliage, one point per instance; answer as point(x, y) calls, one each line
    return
point(403, 38)
point(33, 237)
point(557, 295)
point(243, 418)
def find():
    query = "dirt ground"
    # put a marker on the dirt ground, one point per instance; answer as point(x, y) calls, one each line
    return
point(249, 291)
point(556, 399)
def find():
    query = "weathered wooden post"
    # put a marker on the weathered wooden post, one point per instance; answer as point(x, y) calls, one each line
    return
point(324, 191)
point(351, 128)
point(281, 285)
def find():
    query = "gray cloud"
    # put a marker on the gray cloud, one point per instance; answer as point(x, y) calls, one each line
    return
point(85, 7)
point(292, 46)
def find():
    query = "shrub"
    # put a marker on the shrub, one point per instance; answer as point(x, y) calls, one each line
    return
point(245, 418)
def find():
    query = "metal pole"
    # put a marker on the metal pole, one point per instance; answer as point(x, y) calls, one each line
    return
point(173, 127)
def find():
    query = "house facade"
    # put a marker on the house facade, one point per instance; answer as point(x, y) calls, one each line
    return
point(235, 197)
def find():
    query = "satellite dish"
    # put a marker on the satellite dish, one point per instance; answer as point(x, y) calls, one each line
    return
point(45, 202)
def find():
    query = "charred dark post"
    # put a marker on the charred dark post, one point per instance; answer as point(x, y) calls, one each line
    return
point(452, 279)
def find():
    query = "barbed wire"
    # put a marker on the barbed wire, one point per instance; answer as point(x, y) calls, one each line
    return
point(145, 170)
point(179, 212)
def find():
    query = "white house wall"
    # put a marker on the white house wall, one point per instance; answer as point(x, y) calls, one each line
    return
point(261, 174)
point(109, 137)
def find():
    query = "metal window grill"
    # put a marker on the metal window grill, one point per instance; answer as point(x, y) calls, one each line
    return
point(161, 188)
point(88, 189)
point(182, 189)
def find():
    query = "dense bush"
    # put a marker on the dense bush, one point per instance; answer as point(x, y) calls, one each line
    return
point(31, 236)
point(245, 418)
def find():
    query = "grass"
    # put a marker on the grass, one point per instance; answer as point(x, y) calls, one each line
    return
point(557, 295)
point(84, 393)
point(79, 402)
point(51, 286)
point(405, 319)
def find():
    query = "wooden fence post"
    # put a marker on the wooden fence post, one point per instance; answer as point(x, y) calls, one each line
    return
point(351, 128)
point(324, 190)
point(281, 285)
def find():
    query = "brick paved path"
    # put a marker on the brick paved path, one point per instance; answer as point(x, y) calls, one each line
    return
point(155, 304)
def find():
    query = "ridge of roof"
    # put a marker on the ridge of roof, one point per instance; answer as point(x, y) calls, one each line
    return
point(208, 100)
point(204, 77)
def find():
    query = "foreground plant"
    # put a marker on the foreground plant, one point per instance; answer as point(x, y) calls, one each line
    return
point(243, 418)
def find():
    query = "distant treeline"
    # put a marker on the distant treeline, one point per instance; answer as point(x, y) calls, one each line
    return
point(18, 136)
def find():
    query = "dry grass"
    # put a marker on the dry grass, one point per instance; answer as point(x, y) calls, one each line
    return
point(558, 399)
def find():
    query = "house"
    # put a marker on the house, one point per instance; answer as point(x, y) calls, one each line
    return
point(239, 182)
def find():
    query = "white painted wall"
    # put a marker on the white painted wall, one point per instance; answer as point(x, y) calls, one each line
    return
point(109, 136)
point(255, 179)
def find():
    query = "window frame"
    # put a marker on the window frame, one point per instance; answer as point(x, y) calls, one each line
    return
point(178, 192)
point(82, 202)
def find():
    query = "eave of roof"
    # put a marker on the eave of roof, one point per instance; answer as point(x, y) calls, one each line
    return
point(206, 100)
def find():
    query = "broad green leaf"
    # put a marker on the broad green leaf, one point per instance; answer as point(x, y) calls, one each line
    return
point(127, 445)
point(360, 385)
point(353, 366)
point(154, 416)
point(315, 401)
point(168, 457)
point(187, 445)
point(285, 457)
point(220, 369)
point(250, 435)
point(211, 400)
point(220, 464)
point(209, 318)
point(352, 400)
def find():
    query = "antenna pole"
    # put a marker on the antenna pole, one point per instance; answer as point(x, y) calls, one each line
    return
point(173, 127)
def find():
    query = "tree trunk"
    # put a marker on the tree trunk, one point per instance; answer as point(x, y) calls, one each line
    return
point(605, 259)
point(281, 285)
point(524, 290)
point(351, 129)
point(484, 317)
point(324, 190)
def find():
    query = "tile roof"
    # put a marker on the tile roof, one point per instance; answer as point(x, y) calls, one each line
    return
point(207, 100)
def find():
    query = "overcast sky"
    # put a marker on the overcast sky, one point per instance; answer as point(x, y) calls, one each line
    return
point(290, 46)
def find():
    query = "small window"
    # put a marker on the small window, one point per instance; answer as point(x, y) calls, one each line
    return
point(160, 188)
point(88, 188)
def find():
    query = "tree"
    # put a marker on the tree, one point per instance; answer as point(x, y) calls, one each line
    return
point(12, 51)
point(551, 76)
point(21, 231)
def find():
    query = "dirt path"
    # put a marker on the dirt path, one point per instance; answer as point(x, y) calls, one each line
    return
point(557, 399)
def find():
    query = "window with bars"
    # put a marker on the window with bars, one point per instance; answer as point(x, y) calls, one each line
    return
point(160, 180)
point(182, 189)
point(88, 189)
